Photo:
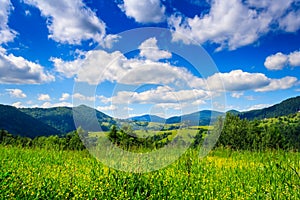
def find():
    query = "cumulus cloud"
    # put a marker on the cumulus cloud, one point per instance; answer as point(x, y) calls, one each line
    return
point(150, 50)
point(44, 97)
point(18, 70)
point(107, 108)
point(279, 84)
point(159, 99)
point(237, 80)
point(144, 11)
point(279, 60)
point(67, 68)
point(18, 104)
point(291, 22)
point(160, 95)
point(258, 106)
point(51, 105)
point(233, 23)
point(82, 97)
point(16, 93)
point(294, 59)
point(276, 62)
point(6, 33)
point(64, 97)
point(70, 21)
point(98, 66)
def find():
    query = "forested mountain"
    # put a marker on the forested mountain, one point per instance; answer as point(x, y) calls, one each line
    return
point(60, 118)
point(19, 123)
point(33, 122)
point(148, 118)
point(286, 107)
point(204, 117)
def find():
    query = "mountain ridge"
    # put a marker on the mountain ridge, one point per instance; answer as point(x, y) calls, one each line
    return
point(32, 122)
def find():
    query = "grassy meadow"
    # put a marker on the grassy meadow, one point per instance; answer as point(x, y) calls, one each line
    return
point(27, 173)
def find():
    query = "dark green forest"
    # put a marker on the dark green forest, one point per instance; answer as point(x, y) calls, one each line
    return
point(286, 107)
point(273, 133)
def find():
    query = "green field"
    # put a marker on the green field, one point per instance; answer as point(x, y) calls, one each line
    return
point(223, 174)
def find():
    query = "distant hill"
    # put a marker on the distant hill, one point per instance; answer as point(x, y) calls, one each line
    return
point(19, 123)
point(61, 118)
point(234, 112)
point(148, 118)
point(286, 107)
point(202, 118)
point(32, 122)
point(205, 117)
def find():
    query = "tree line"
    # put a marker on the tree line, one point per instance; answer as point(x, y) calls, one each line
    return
point(70, 141)
point(126, 138)
point(236, 133)
point(275, 133)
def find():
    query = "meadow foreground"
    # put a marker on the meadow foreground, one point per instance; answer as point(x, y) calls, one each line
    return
point(223, 174)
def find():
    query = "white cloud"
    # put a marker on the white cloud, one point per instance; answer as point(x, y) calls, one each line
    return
point(44, 97)
point(109, 40)
point(16, 93)
point(18, 104)
point(18, 70)
point(167, 106)
point(27, 13)
point(6, 34)
point(160, 99)
point(51, 105)
point(258, 106)
point(279, 84)
point(107, 108)
point(232, 23)
point(294, 59)
point(98, 66)
point(291, 22)
point(70, 21)
point(67, 68)
point(237, 94)
point(150, 50)
point(276, 62)
point(144, 11)
point(280, 60)
point(237, 80)
point(163, 95)
point(64, 97)
point(82, 97)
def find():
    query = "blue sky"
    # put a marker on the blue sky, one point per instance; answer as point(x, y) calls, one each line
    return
point(212, 54)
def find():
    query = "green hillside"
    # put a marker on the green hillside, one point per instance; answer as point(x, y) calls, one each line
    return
point(19, 123)
point(60, 118)
point(286, 107)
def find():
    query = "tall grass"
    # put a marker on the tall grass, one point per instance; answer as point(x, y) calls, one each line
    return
point(223, 174)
